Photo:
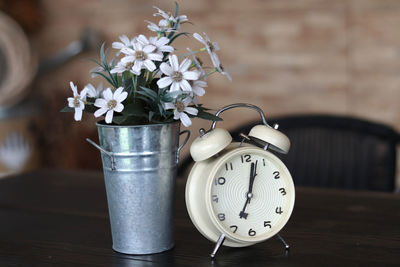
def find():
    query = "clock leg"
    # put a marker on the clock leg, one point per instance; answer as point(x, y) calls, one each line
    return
point(220, 241)
point(283, 241)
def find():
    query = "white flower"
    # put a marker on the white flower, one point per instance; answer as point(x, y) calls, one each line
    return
point(77, 101)
point(92, 91)
point(198, 87)
point(123, 66)
point(198, 64)
point(162, 27)
point(168, 17)
point(211, 47)
point(177, 75)
point(180, 109)
point(110, 103)
point(159, 43)
point(125, 43)
point(221, 70)
point(141, 57)
point(93, 72)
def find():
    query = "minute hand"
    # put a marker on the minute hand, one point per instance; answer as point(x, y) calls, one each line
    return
point(253, 175)
point(252, 178)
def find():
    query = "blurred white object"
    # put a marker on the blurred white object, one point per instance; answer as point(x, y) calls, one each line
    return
point(17, 62)
point(15, 152)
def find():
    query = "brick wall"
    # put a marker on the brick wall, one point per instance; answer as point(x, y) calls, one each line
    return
point(288, 57)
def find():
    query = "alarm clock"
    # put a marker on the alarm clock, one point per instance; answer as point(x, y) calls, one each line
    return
point(239, 193)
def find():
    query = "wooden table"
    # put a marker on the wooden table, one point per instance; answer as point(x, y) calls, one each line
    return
point(59, 218)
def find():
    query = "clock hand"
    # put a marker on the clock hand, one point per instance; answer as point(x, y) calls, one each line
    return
point(253, 175)
point(250, 193)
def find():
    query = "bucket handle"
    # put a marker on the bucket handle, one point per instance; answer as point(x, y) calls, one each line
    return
point(187, 132)
point(108, 153)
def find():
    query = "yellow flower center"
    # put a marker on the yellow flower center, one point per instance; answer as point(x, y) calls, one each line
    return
point(77, 101)
point(129, 65)
point(112, 104)
point(179, 106)
point(140, 55)
point(177, 76)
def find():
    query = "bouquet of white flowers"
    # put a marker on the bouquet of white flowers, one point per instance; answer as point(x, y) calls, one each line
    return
point(149, 82)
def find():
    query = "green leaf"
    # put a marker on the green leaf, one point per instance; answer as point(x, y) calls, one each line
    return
point(176, 36)
point(103, 57)
point(207, 116)
point(67, 109)
point(134, 110)
point(110, 81)
point(176, 9)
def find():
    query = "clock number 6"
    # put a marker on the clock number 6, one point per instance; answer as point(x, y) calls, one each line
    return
point(252, 232)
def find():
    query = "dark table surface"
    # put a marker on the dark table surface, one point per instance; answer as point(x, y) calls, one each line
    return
point(59, 218)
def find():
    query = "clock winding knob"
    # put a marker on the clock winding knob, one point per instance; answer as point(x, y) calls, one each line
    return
point(209, 144)
point(264, 135)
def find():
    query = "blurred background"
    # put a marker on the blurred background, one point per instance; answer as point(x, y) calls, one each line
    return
point(288, 57)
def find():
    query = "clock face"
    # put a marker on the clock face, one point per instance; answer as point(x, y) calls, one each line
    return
point(251, 195)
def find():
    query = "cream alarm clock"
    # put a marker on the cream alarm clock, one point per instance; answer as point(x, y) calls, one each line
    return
point(239, 194)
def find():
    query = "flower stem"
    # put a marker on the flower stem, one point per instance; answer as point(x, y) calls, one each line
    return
point(211, 72)
point(190, 53)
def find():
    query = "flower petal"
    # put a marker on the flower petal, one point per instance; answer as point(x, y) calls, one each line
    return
point(141, 38)
point(137, 67)
point(162, 41)
point(173, 60)
point(91, 91)
point(191, 75)
point(191, 110)
point(107, 94)
point(109, 116)
point(149, 65)
point(174, 87)
point(149, 48)
point(74, 88)
point(124, 39)
point(166, 48)
point(185, 86)
point(164, 82)
point(78, 114)
point(169, 106)
point(185, 65)
point(155, 57)
point(199, 38)
point(100, 103)
point(166, 69)
point(100, 112)
point(119, 107)
point(122, 97)
point(185, 119)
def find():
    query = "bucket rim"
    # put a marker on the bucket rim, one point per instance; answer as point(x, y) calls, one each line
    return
point(102, 124)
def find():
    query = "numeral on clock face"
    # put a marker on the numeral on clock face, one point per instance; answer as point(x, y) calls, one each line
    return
point(239, 191)
point(229, 166)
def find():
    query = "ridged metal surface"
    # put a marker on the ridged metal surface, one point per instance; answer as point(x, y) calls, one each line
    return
point(140, 185)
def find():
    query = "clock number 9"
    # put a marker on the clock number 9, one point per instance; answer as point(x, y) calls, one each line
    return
point(219, 181)
point(252, 232)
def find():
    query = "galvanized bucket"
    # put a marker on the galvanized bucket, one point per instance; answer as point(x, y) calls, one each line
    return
point(139, 164)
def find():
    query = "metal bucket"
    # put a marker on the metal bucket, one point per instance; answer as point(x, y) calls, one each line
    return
point(139, 164)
